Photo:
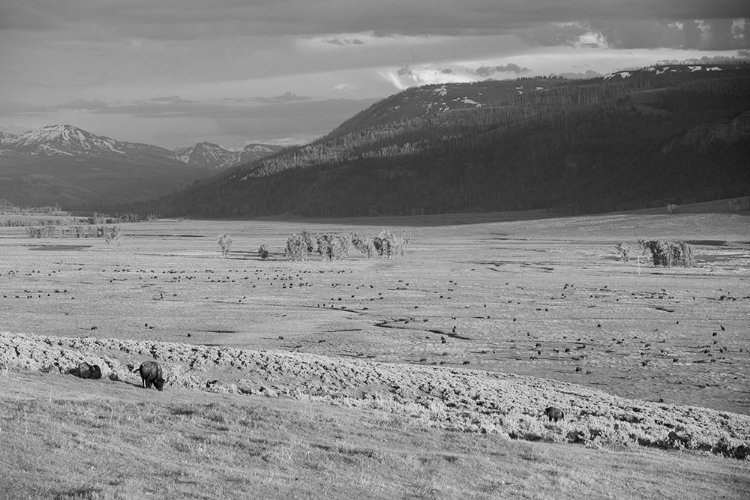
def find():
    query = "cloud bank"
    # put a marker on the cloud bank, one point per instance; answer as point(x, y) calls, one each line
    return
point(213, 63)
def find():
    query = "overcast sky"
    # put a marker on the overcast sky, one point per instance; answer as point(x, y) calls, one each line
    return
point(176, 72)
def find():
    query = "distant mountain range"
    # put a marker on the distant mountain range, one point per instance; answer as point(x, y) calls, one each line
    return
point(640, 138)
point(209, 155)
point(62, 164)
point(70, 141)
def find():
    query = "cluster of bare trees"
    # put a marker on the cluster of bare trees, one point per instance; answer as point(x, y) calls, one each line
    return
point(40, 231)
point(385, 244)
point(336, 246)
point(109, 233)
point(329, 246)
point(669, 253)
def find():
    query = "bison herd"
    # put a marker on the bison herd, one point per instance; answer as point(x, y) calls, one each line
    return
point(152, 375)
point(150, 372)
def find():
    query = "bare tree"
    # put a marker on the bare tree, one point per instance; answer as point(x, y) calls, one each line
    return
point(225, 242)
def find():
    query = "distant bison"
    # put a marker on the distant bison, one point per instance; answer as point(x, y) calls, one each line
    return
point(151, 373)
point(86, 370)
point(554, 413)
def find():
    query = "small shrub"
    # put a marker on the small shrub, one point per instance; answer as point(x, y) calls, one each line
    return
point(624, 251)
point(225, 242)
point(263, 252)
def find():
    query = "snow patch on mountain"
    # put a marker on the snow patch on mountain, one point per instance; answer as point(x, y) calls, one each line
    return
point(209, 155)
point(65, 140)
point(70, 141)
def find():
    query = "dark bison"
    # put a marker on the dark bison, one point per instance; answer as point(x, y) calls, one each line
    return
point(86, 370)
point(151, 374)
point(554, 413)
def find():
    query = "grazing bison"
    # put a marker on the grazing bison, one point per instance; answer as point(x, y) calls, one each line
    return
point(86, 370)
point(151, 374)
point(554, 413)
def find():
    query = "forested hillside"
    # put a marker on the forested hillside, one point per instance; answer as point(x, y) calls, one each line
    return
point(641, 138)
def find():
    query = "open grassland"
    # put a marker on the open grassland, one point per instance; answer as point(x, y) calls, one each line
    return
point(361, 376)
point(83, 439)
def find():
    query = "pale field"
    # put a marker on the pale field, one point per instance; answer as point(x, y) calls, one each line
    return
point(509, 297)
point(500, 283)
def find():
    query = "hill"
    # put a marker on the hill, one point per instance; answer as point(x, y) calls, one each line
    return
point(62, 164)
point(634, 139)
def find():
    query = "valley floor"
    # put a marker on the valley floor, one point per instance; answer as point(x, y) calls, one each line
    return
point(461, 343)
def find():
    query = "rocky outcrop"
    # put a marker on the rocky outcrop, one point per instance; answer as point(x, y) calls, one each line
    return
point(449, 398)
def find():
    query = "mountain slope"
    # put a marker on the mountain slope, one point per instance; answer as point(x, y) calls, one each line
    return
point(205, 155)
point(62, 164)
point(67, 140)
point(213, 156)
point(627, 140)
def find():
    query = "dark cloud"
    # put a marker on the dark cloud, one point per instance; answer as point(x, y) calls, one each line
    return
point(487, 71)
point(303, 120)
point(446, 71)
point(680, 34)
point(172, 98)
point(676, 33)
point(220, 110)
point(192, 19)
point(13, 129)
point(551, 35)
point(93, 105)
point(25, 108)
point(405, 71)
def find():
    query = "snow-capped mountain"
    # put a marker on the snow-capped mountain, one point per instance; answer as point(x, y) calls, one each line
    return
point(206, 155)
point(73, 142)
point(65, 140)
point(6, 138)
point(209, 155)
point(66, 165)
point(253, 152)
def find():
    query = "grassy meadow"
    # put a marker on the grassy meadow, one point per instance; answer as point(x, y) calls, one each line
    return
point(416, 377)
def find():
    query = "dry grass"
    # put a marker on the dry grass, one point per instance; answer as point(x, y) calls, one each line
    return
point(88, 440)
point(509, 289)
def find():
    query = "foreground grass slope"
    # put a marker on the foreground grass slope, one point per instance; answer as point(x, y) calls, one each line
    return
point(63, 437)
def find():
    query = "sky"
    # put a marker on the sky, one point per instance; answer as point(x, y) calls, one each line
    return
point(233, 72)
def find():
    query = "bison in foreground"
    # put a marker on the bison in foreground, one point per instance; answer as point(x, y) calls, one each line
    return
point(151, 374)
point(86, 370)
point(554, 413)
